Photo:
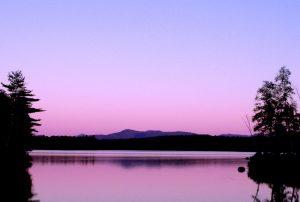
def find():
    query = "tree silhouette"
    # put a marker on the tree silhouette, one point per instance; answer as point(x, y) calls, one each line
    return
point(265, 108)
point(5, 119)
point(275, 108)
point(21, 124)
point(16, 129)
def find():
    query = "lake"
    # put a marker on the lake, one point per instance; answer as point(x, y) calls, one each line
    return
point(142, 176)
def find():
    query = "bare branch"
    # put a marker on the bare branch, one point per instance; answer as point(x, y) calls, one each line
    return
point(247, 122)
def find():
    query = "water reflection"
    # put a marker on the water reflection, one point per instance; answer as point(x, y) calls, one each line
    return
point(137, 160)
point(16, 184)
point(133, 176)
point(280, 173)
point(279, 193)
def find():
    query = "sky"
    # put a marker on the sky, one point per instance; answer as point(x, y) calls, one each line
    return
point(186, 65)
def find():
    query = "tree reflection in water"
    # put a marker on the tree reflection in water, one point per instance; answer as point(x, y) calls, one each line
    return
point(16, 184)
point(280, 172)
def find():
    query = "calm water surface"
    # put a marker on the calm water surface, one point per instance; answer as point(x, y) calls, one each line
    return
point(142, 176)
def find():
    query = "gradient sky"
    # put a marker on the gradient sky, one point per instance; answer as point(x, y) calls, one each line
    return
point(103, 66)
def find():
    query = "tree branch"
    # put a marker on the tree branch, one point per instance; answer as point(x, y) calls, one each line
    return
point(247, 122)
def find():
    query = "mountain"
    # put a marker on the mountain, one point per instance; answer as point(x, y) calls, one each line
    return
point(128, 134)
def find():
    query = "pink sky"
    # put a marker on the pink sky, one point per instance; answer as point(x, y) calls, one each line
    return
point(101, 67)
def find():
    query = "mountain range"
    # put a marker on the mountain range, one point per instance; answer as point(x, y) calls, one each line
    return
point(128, 134)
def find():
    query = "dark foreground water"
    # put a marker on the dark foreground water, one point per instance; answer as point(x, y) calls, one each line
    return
point(142, 176)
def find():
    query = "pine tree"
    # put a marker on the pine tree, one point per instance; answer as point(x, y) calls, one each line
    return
point(22, 101)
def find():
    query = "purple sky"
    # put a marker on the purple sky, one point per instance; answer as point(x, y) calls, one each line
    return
point(103, 66)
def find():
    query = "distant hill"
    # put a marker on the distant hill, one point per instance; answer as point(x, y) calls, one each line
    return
point(129, 134)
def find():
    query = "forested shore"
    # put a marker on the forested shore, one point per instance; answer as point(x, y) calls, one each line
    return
point(177, 143)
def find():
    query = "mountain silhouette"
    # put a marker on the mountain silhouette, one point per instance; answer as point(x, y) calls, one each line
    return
point(129, 134)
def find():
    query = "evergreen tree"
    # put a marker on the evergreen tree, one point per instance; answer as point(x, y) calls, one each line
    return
point(275, 108)
point(21, 100)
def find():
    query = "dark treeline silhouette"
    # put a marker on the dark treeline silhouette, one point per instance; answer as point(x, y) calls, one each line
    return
point(16, 183)
point(276, 118)
point(17, 126)
point(179, 143)
point(16, 130)
point(275, 108)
